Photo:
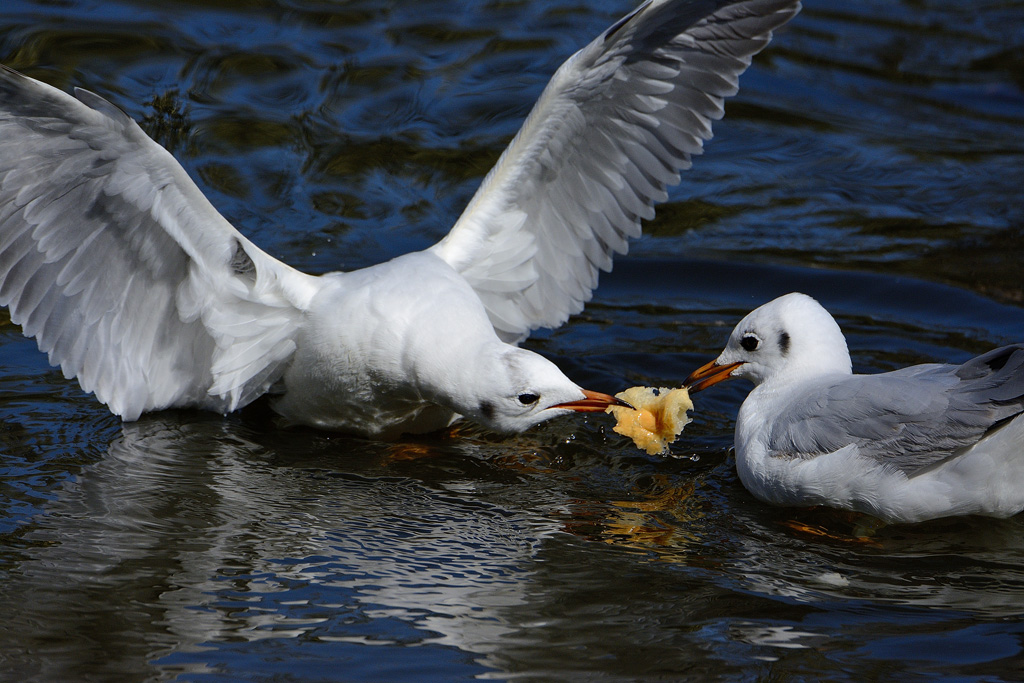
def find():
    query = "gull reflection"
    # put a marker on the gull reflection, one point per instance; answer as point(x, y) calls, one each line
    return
point(192, 526)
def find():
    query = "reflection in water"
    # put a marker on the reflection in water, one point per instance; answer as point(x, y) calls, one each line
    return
point(663, 518)
point(193, 547)
point(189, 526)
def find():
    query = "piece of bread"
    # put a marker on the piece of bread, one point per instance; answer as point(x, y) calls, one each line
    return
point(659, 417)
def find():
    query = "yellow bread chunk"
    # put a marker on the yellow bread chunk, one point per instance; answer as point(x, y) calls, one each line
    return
point(659, 417)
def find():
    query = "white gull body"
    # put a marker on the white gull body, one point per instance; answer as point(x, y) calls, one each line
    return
point(917, 443)
point(131, 281)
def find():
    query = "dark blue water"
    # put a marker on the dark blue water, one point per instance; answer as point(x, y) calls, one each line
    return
point(872, 159)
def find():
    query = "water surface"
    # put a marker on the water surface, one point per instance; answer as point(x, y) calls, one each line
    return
point(872, 159)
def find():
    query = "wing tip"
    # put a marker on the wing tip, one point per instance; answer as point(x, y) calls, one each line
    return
point(103, 106)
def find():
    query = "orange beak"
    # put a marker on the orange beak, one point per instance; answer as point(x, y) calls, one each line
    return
point(594, 402)
point(709, 375)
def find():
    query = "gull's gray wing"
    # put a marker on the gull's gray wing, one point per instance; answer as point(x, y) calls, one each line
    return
point(121, 269)
point(907, 419)
point(611, 131)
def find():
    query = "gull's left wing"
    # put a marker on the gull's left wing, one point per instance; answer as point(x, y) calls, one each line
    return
point(611, 131)
point(908, 419)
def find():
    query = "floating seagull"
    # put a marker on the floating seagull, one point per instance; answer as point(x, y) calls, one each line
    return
point(131, 281)
point(904, 446)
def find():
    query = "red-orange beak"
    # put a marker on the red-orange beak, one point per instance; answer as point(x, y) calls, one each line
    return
point(594, 402)
point(709, 375)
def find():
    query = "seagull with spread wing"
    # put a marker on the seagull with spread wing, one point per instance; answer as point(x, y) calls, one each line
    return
point(131, 281)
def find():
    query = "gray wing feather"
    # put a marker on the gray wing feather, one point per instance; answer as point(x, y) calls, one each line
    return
point(908, 419)
point(124, 273)
point(611, 131)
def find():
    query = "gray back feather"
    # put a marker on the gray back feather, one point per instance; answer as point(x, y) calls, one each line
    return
point(909, 419)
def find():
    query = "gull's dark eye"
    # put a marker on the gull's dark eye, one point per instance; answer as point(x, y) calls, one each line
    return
point(750, 342)
point(528, 399)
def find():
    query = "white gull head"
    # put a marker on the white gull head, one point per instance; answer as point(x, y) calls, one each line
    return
point(792, 336)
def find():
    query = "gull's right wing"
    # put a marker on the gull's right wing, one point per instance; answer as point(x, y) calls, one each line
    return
point(122, 270)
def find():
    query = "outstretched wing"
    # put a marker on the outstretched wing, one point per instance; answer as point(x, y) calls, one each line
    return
point(125, 274)
point(908, 419)
point(610, 132)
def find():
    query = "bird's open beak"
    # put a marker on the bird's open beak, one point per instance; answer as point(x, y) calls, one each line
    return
point(594, 402)
point(708, 375)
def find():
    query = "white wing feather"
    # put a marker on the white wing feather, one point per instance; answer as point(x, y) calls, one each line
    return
point(123, 271)
point(611, 131)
